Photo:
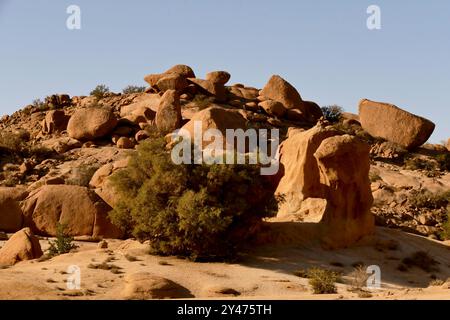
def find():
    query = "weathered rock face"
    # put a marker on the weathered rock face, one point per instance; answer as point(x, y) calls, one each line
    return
point(78, 208)
point(311, 111)
point(326, 179)
point(23, 245)
point(102, 184)
point(172, 81)
point(301, 178)
point(168, 117)
point(448, 144)
point(179, 69)
point(282, 91)
point(55, 121)
point(91, 123)
point(344, 168)
point(62, 144)
point(394, 124)
point(273, 108)
point(11, 217)
point(144, 286)
point(214, 118)
point(211, 88)
point(220, 77)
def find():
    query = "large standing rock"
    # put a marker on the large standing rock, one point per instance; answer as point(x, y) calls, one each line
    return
point(180, 69)
point(214, 118)
point(11, 217)
point(55, 121)
point(23, 245)
point(301, 178)
point(144, 286)
point(394, 124)
point(326, 179)
point(282, 91)
point(344, 167)
point(168, 117)
point(448, 144)
point(76, 207)
point(91, 123)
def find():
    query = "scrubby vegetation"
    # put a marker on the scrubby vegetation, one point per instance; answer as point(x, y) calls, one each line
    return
point(198, 211)
point(323, 281)
point(429, 200)
point(62, 244)
point(133, 89)
point(100, 91)
point(332, 113)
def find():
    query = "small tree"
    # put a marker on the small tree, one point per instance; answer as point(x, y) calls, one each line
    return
point(198, 211)
point(332, 113)
point(100, 91)
point(133, 89)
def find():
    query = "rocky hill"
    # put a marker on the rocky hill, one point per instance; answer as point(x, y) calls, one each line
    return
point(342, 172)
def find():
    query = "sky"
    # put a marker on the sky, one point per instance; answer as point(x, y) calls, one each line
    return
point(323, 47)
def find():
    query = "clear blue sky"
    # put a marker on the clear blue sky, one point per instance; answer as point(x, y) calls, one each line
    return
point(322, 47)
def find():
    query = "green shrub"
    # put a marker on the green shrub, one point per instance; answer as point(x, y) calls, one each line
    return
point(198, 211)
point(100, 91)
point(419, 164)
point(443, 161)
point(446, 227)
point(429, 200)
point(62, 244)
point(332, 113)
point(133, 89)
point(322, 281)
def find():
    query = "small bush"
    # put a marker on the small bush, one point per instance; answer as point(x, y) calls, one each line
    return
point(100, 91)
point(62, 244)
point(198, 211)
point(322, 281)
point(332, 113)
point(419, 164)
point(359, 278)
point(133, 89)
point(446, 227)
point(429, 200)
point(443, 161)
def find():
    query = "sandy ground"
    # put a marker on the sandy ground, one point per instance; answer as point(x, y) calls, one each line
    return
point(264, 272)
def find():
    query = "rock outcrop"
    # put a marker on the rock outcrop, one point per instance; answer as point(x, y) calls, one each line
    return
point(78, 208)
point(23, 245)
point(168, 117)
point(214, 118)
point(389, 122)
point(11, 217)
point(174, 75)
point(91, 123)
point(344, 169)
point(55, 121)
point(326, 180)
